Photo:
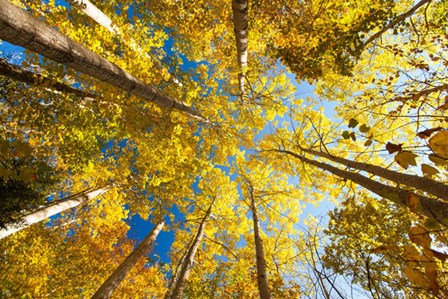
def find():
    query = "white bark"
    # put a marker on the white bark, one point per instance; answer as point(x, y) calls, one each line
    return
point(108, 287)
point(262, 276)
point(49, 211)
point(240, 23)
point(20, 28)
point(98, 16)
point(189, 259)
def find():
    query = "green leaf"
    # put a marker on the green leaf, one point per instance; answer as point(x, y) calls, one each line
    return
point(352, 123)
point(346, 135)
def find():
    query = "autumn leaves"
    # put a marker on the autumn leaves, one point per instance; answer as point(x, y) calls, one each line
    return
point(261, 137)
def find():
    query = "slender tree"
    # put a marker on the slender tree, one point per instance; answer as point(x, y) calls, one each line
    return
point(420, 204)
point(18, 73)
point(20, 28)
point(425, 184)
point(240, 23)
point(96, 14)
point(262, 277)
point(108, 287)
point(102, 19)
point(189, 259)
point(50, 210)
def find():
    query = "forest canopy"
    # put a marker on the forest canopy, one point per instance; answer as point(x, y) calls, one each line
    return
point(273, 149)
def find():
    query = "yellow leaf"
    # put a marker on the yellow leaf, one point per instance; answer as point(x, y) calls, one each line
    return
point(429, 170)
point(416, 277)
point(404, 159)
point(439, 144)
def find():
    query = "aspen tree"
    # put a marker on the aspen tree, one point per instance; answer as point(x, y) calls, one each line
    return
point(50, 210)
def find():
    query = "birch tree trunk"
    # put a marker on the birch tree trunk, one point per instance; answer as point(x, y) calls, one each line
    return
point(423, 205)
point(240, 24)
point(18, 73)
point(108, 287)
point(98, 16)
point(50, 210)
point(421, 183)
point(189, 259)
point(20, 28)
point(262, 277)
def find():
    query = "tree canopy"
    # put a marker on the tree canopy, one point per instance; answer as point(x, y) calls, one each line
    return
point(292, 149)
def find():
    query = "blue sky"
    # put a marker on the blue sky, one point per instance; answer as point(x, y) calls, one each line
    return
point(140, 227)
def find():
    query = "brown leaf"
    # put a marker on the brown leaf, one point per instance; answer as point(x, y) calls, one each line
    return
point(439, 255)
point(413, 203)
point(427, 133)
point(404, 159)
point(416, 277)
point(381, 249)
point(438, 160)
point(420, 236)
point(429, 170)
point(392, 148)
point(443, 107)
point(431, 269)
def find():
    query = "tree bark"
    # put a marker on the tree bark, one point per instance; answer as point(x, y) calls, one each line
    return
point(50, 210)
point(96, 14)
point(18, 73)
point(262, 277)
point(20, 28)
point(425, 206)
point(102, 19)
point(108, 287)
point(396, 21)
point(189, 259)
point(425, 184)
point(240, 24)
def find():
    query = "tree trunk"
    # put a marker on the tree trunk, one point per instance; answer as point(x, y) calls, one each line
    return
point(189, 259)
point(425, 184)
point(108, 287)
point(95, 14)
point(19, 28)
point(98, 16)
point(52, 209)
point(262, 277)
point(18, 73)
point(240, 23)
point(423, 205)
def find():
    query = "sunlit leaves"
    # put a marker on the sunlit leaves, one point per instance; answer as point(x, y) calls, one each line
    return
point(439, 144)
